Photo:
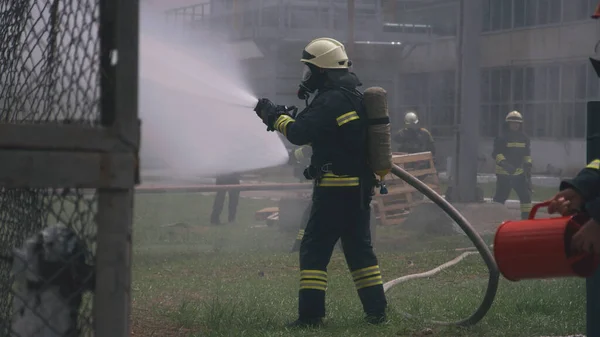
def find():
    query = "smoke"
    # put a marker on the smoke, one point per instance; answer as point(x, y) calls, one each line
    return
point(198, 117)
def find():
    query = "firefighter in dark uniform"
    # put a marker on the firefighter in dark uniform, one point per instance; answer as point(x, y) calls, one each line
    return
point(412, 138)
point(234, 198)
point(582, 193)
point(335, 124)
point(513, 163)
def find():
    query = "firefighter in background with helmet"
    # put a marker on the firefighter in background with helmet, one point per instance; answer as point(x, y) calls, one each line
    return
point(335, 123)
point(412, 138)
point(513, 163)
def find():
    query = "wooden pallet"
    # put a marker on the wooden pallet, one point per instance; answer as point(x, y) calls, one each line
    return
point(394, 207)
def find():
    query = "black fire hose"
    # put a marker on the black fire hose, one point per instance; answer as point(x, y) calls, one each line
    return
point(481, 246)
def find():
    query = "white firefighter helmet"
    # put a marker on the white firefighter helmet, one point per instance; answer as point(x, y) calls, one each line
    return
point(325, 53)
point(514, 116)
point(411, 118)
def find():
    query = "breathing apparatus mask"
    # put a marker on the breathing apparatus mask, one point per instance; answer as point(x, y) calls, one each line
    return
point(312, 79)
point(310, 82)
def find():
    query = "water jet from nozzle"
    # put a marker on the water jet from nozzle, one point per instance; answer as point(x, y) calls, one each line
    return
point(198, 118)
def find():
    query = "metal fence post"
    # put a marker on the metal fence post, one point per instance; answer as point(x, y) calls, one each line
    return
point(119, 59)
point(593, 283)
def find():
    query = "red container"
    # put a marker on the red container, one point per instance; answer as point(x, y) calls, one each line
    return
point(540, 248)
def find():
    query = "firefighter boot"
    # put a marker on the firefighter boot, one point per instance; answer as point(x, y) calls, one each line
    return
point(374, 304)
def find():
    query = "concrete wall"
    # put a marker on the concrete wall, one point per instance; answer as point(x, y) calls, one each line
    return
point(570, 41)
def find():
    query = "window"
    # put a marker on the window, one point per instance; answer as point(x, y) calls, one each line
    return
point(530, 13)
point(518, 84)
point(507, 14)
point(529, 84)
point(486, 17)
point(415, 89)
point(548, 11)
point(500, 85)
point(485, 85)
point(519, 13)
point(496, 14)
point(574, 10)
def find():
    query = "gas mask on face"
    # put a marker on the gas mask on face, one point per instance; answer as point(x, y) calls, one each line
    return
point(309, 83)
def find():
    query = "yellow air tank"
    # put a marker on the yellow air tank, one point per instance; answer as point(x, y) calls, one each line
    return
point(379, 133)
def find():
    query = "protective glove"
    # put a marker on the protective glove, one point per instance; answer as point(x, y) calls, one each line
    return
point(268, 112)
point(507, 167)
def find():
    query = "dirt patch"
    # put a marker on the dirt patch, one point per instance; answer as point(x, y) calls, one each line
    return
point(146, 324)
point(484, 217)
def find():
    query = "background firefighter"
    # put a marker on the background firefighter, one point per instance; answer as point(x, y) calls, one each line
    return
point(234, 198)
point(513, 163)
point(414, 139)
point(335, 124)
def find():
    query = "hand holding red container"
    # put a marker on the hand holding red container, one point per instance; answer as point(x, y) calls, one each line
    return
point(545, 248)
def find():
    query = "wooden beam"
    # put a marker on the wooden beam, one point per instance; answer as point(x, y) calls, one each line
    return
point(50, 169)
point(62, 137)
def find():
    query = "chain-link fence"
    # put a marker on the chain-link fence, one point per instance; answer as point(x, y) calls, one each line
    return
point(50, 75)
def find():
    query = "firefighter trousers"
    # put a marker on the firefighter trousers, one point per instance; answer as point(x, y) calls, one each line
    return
point(339, 213)
point(506, 183)
point(234, 198)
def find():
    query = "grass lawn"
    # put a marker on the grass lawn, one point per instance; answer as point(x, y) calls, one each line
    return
point(193, 279)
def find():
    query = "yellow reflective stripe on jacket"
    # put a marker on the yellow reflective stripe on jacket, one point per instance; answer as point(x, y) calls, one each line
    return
point(347, 117)
point(282, 122)
point(367, 277)
point(516, 144)
point(528, 159)
point(594, 165)
point(300, 234)
point(500, 157)
point(313, 279)
point(332, 180)
point(500, 170)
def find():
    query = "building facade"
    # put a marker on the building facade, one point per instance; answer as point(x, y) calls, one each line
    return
point(534, 58)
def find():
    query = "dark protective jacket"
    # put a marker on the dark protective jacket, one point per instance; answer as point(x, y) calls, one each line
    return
point(587, 184)
point(412, 140)
point(335, 125)
point(512, 153)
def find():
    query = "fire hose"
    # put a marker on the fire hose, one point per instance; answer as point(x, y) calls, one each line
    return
point(480, 245)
